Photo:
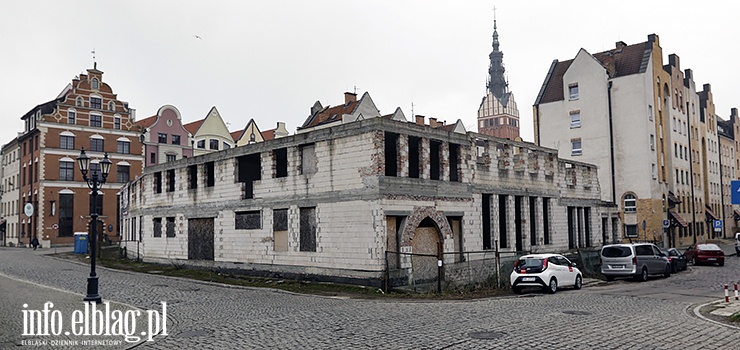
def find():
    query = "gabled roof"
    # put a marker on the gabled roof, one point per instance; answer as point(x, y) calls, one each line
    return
point(621, 61)
point(192, 127)
point(147, 122)
point(269, 134)
point(330, 114)
point(457, 127)
point(236, 135)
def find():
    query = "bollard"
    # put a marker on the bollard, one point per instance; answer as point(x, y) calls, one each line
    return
point(727, 294)
point(736, 296)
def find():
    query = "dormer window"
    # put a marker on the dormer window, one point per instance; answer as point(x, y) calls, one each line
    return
point(95, 84)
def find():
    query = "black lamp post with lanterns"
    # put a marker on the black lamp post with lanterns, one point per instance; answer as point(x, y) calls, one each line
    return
point(95, 182)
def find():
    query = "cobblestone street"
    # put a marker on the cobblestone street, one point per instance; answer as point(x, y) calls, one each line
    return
point(208, 316)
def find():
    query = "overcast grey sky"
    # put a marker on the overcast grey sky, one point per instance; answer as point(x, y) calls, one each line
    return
point(271, 60)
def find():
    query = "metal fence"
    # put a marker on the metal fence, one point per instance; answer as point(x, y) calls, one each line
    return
point(467, 270)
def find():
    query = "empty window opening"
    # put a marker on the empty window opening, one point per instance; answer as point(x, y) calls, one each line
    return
point(281, 162)
point(391, 154)
point(171, 180)
point(546, 220)
point(414, 143)
point(308, 229)
point(248, 220)
point(171, 226)
point(454, 161)
point(280, 230)
point(486, 217)
point(193, 176)
point(518, 225)
point(210, 174)
point(502, 220)
point(434, 169)
point(249, 170)
point(533, 221)
point(158, 182)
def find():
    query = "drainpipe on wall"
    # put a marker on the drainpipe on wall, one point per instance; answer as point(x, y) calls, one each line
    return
point(691, 182)
point(611, 143)
point(722, 188)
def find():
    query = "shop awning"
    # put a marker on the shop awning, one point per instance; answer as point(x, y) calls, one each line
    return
point(672, 197)
point(677, 220)
point(710, 214)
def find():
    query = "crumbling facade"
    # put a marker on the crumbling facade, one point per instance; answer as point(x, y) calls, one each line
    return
point(330, 202)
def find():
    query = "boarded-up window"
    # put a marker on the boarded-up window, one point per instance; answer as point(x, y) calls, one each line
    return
point(157, 222)
point(171, 226)
point(210, 174)
point(308, 229)
point(193, 176)
point(281, 162)
point(248, 220)
point(280, 229)
point(308, 159)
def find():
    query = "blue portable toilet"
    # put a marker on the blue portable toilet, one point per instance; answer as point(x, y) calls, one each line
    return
point(80, 242)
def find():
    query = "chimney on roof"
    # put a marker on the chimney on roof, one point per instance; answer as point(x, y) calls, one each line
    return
point(733, 113)
point(673, 60)
point(620, 45)
point(433, 122)
point(707, 87)
point(419, 120)
point(653, 38)
point(349, 97)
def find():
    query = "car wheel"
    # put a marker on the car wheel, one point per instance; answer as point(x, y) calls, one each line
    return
point(517, 290)
point(609, 278)
point(667, 272)
point(552, 288)
point(674, 268)
point(721, 263)
point(643, 276)
point(579, 282)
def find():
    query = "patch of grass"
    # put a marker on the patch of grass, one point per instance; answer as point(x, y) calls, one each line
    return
point(316, 288)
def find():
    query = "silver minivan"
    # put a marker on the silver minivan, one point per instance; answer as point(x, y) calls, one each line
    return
point(637, 260)
point(737, 244)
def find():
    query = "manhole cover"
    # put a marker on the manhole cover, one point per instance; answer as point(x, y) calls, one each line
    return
point(576, 312)
point(195, 333)
point(486, 335)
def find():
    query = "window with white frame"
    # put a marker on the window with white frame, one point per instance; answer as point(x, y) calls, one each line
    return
point(95, 84)
point(111, 106)
point(80, 102)
point(630, 203)
point(652, 142)
point(96, 120)
point(117, 123)
point(654, 171)
point(96, 102)
point(67, 142)
point(576, 147)
point(650, 112)
point(573, 91)
point(575, 119)
point(71, 116)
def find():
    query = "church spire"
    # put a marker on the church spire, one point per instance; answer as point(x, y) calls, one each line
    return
point(497, 84)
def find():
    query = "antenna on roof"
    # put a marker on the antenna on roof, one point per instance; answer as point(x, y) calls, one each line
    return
point(412, 109)
point(354, 89)
point(95, 64)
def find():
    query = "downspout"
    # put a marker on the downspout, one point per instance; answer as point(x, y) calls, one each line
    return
point(721, 186)
point(611, 143)
point(691, 180)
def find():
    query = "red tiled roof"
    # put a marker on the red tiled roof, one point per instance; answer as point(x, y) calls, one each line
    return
point(192, 127)
point(620, 62)
point(268, 134)
point(330, 114)
point(236, 135)
point(147, 122)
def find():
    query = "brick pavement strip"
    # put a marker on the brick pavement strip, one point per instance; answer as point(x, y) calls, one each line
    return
point(209, 316)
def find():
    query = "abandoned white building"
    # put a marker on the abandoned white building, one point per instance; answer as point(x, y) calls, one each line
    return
point(328, 203)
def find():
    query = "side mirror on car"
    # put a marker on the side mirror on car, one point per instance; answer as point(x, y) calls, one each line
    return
point(573, 264)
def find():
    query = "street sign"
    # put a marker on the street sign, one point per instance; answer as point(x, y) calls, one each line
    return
point(666, 223)
point(735, 190)
point(717, 225)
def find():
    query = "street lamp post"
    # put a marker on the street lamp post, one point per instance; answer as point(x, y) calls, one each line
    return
point(95, 182)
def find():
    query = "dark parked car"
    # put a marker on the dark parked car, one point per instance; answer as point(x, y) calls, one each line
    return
point(705, 253)
point(678, 260)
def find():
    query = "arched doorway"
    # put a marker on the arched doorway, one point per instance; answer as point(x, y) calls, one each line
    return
point(424, 245)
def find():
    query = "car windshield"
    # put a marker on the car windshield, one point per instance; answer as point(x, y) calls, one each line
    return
point(616, 252)
point(524, 263)
point(665, 252)
point(673, 252)
point(707, 247)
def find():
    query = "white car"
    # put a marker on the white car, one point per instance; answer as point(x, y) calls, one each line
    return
point(546, 271)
